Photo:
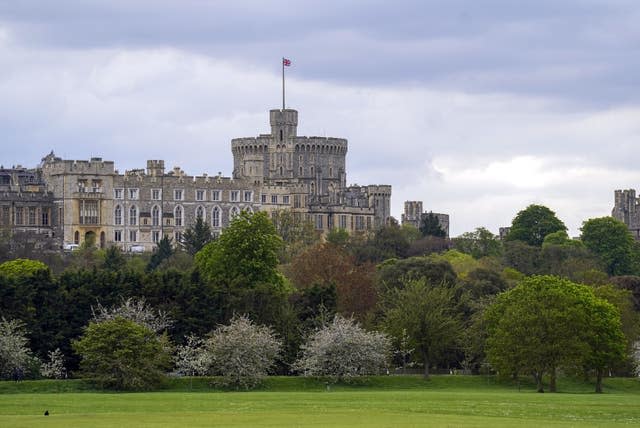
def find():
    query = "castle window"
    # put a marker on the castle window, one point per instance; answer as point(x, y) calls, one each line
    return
point(155, 236)
point(200, 213)
point(178, 215)
point(155, 216)
point(285, 199)
point(117, 236)
point(133, 236)
point(133, 194)
point(235, 196)
point(274, 199)
point(19, 216)
point(199, 195)
point(89, 213)
point(32, 216)
point(300, 171)
point(248, 196)
point(319, 222)
point(177, 194)
point(311, 171)
point(215, 217)
point(215, 195)
point(281, 171)
point(343, 222)
point(178, 237)
point(330, 172)
point(133, 215)
point(117, 193)
point(263, 198)
point(156, 194)
point(76, 237)
point(281, 135)
point(6, 216)
point(117, 215)
point(45, 217)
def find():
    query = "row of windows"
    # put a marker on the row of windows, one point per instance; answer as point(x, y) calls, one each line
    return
point(178, 214)
point(357, 222)
point(179, 195)
point(25, 216)
point(284, 199)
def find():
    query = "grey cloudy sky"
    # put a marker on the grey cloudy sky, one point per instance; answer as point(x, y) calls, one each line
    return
point(478, 108)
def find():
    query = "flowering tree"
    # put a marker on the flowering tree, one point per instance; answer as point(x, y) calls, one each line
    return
point(136, 311)
point(15, 355)
point(192, 359)
point(54, 367)
point(343, 350)
point(242, 352)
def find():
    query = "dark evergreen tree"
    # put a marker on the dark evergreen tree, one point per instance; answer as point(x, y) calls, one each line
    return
point(163, 251)
point(196, 236)
point(430, 226)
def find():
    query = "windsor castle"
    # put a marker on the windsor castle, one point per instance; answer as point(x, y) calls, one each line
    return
point(63, 203)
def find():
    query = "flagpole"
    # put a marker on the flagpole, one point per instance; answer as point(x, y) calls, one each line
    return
point(282, 83)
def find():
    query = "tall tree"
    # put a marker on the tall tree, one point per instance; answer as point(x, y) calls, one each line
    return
point(532, 224)
point(546, 323)
point(427, 316)
point(611, 241)
point(196, 236)
point(163, 251)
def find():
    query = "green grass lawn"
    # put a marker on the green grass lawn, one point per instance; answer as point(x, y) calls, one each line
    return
point(383, 402)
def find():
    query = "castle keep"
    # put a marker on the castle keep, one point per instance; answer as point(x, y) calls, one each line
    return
point(70, 201)
point(627, 209)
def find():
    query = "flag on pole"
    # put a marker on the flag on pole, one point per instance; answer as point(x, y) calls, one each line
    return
point(286, 62)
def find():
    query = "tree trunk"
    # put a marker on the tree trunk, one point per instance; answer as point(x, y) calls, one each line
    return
point(538, 377)
point(425, 361)
point(552, 381)
point(599, 381)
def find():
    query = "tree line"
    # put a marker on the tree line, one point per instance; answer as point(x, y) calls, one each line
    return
point(537, 303)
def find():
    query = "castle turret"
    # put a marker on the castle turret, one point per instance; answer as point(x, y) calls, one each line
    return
point(284, 124)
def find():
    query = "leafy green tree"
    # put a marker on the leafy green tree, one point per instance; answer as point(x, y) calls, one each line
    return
point(611, 241)
point(395, 273)
point(163, 251)
point(532, 224)
point(28, 292)
point(427, 316)
point(121, 354)
point(338, 237)
point(296, 231)
point(196, 236)
point(479, 243)
point(430, 226)
point(546, 323)
point(522, 257)
point(245, 254)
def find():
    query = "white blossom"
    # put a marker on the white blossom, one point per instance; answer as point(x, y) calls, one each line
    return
point(343, 350)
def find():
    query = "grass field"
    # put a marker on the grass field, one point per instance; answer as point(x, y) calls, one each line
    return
point(446, 401)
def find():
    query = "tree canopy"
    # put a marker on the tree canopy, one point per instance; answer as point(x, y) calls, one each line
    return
point(611, 241)
point(532, 224)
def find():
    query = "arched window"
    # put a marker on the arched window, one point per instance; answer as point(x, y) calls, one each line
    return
point(177, 215)
point(233, 213)
point(281, 135)
point(133, 215)
point(117, 215)
point(76, 237)
point(200, 213)
point(215, 217)
point(155, 216)
point(312, 171)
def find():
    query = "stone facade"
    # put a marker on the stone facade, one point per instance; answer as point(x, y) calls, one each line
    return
point(413, 215)
point(627, 209)
point(27, 207)
point(280, 170)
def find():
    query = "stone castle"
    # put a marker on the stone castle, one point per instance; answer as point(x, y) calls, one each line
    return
point(627, 209)
point(414, 214)
point(67, 202)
